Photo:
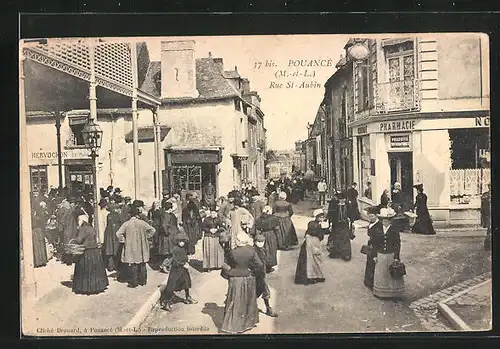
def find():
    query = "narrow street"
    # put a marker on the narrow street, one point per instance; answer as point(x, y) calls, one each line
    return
point(342, 303)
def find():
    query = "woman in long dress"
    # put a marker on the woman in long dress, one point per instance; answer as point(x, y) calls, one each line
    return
point(255, 208)
point(309, 263)
point(386, 243)
point(241, 312)
point(111, 246)
point(268, 225)
point(213, 253)
point(155, 216)
point(192, 224)
point(90, 275)
point(373, 227)
point(287, 236)
point(423, 222)
point(169, 229)
point(339, 241)
point(237, 216)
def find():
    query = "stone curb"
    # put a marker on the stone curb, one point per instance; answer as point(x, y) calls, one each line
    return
point(450, 315)
point(144, 311)
point(432, 302)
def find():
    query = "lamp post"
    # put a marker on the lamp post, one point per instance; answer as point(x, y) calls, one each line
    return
point(92, 136)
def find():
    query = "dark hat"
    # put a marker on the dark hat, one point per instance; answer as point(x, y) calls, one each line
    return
point(127, 198)
point(138, 203)
point(181, 236)
point(110, 187)
point(118, 190)
point(233, 194)
point(168, 205)
point(418, 186)
point(103, 202)
point(134, 211)
point(118, 199)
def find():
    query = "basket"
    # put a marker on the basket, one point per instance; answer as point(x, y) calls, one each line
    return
point(74, 249)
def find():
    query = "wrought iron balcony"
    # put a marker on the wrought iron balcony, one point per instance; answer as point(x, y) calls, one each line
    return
point(397, 96)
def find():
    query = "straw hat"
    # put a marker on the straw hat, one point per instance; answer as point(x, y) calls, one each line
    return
point(386, 213)
point(318, 212)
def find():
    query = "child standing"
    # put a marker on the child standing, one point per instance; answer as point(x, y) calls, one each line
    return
point(261, 285)
point(178, 278)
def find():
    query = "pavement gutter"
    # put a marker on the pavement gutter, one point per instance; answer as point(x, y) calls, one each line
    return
point(145, 309)
point(450, 315)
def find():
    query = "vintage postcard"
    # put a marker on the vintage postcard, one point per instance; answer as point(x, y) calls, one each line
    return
point(278, 184)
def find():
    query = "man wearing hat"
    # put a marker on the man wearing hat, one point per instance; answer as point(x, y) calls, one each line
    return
point(139, 204)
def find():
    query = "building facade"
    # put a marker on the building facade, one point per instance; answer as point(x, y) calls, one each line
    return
point(339, 100)
point(421, 114)
point(285, 163)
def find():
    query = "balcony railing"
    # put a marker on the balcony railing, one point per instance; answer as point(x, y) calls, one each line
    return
point(397, 96)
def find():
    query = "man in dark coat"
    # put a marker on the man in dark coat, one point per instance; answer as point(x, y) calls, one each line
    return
point(111, 246)
point(352, 203)
point(178, 277)
point(486, 217)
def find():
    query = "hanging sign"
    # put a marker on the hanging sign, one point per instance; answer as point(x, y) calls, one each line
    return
point(400, 141)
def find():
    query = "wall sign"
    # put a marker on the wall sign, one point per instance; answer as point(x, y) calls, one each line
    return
point(400, 141)
point(482, 121)
point(390, 126)
point(361, 130)
point(65, 154)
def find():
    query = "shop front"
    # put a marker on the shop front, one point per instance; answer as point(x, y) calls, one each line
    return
point(449, 155)
point(191, 170)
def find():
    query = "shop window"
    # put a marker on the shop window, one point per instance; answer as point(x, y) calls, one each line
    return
point(38, 179)
point(470, 165)
point(186, 177)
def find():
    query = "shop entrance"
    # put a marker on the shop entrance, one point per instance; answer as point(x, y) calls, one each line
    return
point(193, 178)
point(401, 164)
point(79, 180)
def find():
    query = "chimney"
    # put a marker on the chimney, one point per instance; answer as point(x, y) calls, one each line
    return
point(178, 69)
point(236, 68)
point(219, 63)
point(245, 85)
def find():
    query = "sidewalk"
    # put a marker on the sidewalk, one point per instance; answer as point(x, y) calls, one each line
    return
point(469, 310)
point(58, 311)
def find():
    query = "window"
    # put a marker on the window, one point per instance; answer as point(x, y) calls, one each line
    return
point(186, 177)
point(364, 89)
point(237, 104)
point(38, 177)
point(76, 125)
point(401, 66)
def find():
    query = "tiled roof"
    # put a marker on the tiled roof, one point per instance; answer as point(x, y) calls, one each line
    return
point(210, 82)
point(146, 134)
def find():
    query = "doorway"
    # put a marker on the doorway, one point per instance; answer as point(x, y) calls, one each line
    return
point(401, 165)
point(79, 180)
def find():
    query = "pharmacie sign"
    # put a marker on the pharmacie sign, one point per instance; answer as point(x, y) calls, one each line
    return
point(402, 125)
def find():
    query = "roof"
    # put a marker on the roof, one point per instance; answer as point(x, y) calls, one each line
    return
point(146, 134)
point(231, 74)
point(210, 82)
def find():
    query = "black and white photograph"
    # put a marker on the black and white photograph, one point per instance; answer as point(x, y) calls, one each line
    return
point(261, 184)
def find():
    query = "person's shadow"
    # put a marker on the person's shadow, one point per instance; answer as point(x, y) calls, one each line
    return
point(216, 313)
point(68, 284)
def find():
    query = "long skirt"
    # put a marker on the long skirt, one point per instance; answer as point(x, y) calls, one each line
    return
point(193, 231)
point(90, 276)
point(286, 236)
point(213, 254)
point(308, 265)
point(241, 312)
point(339, 243)
point(122, 269)
point(39, 248)
point(384, 285)
point(271, 248)
point(423, 225)
point(178, 280)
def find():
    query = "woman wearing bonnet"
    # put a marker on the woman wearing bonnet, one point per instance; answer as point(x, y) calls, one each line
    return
point(90, 275)
point(287, 236)
point(309, 263)
point(268, 224)
point(243, 265)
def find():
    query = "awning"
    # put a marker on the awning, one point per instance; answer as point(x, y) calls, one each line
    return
point(146, 134)
point(392, 42)
point(209, 155)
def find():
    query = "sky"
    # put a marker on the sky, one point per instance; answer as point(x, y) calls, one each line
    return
point(287, 110)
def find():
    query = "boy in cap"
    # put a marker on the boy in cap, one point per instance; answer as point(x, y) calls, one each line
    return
point(261, 286)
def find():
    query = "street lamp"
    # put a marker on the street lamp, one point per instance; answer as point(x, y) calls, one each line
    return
point(92, 136)
point(359, 51)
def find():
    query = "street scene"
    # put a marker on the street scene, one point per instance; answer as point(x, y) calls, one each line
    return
point(255, 185)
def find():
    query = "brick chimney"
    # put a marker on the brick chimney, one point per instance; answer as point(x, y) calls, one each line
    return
point(178, 69)
point(220, 64)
